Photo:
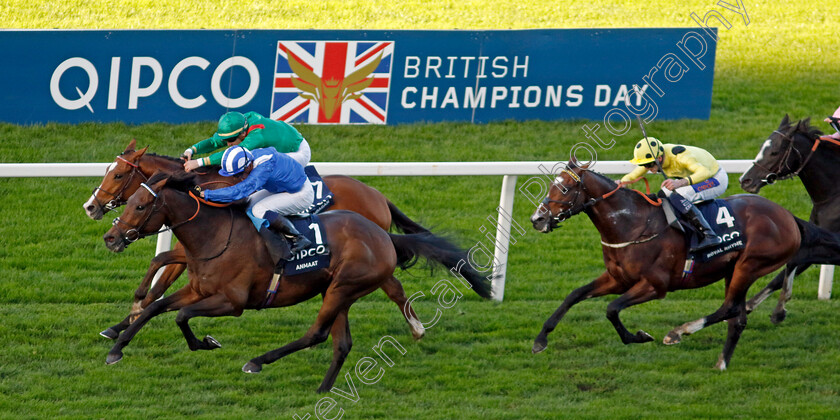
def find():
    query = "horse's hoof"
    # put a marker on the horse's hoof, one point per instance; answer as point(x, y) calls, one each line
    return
point(251, 367)
point(777, 317)
point(110, 334)
point(672, 338)
point(643, 337)
point(113, 358)
point(539, 346)
point(416, 336)
point(211, 343)
point(720, 365)
point(322, 389)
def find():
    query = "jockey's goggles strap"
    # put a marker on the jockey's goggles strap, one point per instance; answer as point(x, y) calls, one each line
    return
point(143, 184)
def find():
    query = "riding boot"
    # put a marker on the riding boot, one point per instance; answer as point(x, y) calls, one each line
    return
point(277, 247)
point(283, 225)
point(710, 238)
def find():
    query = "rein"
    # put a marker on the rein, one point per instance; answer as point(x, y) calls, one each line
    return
point(198, 201)
point(592, 201)
point(772, 175)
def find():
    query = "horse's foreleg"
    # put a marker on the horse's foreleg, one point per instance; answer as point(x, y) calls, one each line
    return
point(141, 298)
point(393, 288)
point(342, 343)
point(213, 306)
point(169, 275)
point(164, 259)
point(334, 303)
point(177, 300)
point(736, 327)
point(603, 285)
point(641, 292)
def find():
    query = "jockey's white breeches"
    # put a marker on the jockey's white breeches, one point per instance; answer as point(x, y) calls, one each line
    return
point(284, 203)
point(706, 190)
point(303, 154)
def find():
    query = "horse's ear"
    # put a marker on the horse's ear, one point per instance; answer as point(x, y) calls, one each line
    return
point(573, 163)
point(141, 152)
point(785, 122)
point(131, 145)
point(805, 124)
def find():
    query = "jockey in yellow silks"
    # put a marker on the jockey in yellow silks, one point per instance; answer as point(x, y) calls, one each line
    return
point(694, 175)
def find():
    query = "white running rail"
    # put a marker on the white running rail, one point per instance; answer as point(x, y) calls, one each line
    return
point(508, 170)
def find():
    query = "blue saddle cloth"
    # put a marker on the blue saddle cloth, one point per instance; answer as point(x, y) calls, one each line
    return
point(721, 218)
point(323, 195)
point(317, 256)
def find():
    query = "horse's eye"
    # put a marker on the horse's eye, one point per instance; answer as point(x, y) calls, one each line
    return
point(118, 176)
point(141, 207)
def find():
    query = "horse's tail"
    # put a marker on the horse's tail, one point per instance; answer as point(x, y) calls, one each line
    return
point(439, 250)
point(819, 246)
point(402, 222)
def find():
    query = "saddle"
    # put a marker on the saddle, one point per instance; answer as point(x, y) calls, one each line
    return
point(720, 218)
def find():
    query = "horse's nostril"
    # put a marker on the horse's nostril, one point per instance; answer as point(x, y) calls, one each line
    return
point(90, 207)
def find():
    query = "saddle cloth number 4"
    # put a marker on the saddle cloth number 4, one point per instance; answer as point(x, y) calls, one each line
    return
point(723, 217)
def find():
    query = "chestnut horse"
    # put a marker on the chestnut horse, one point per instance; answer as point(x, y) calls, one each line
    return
point(645, 258)
point(230, 273)
point(133, 167)
point(794, 149)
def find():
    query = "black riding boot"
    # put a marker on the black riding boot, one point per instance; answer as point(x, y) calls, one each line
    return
point(283, 225)
point(710, 238)
point(277, 247)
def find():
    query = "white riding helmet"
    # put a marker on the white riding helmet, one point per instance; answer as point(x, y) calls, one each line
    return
point(235, 160)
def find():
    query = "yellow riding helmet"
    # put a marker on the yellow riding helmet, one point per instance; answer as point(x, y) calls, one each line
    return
point(647, 150)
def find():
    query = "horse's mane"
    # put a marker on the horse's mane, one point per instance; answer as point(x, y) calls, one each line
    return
point(184, 182)
point(804, 126)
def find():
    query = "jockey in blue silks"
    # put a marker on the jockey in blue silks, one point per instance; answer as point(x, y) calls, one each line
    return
point(276, 186)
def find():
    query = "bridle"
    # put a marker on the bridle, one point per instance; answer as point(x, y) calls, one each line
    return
point(773, 174)
point(134, 232)
point(117, 198)
point(576, 206)
point(571, 209)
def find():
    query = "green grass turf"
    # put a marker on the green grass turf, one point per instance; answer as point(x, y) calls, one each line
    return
point(59, 286)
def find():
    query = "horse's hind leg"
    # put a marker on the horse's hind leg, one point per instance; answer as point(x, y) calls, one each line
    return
point(733, 304)
point(736, 327)
point(213, 306)
point(393, 288)
point(641, 292)
point(764, 293)
point(780, 313)
point(342, 343)
point(334, 303)
point(601, 286)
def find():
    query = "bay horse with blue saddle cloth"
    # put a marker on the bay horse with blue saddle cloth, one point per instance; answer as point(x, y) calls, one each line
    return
point(230, 273)
point(132, 167)
point(645, 258)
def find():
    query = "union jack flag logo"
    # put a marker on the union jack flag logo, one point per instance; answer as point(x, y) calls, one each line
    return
point(332, 82)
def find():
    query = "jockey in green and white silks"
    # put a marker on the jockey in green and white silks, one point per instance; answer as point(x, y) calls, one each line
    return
point(251, 131)
point(694, 175)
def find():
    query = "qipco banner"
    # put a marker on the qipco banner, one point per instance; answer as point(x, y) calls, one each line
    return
point(355, 77)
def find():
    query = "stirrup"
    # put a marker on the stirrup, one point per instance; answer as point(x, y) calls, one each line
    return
point(298, 243)
point(707, 242)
